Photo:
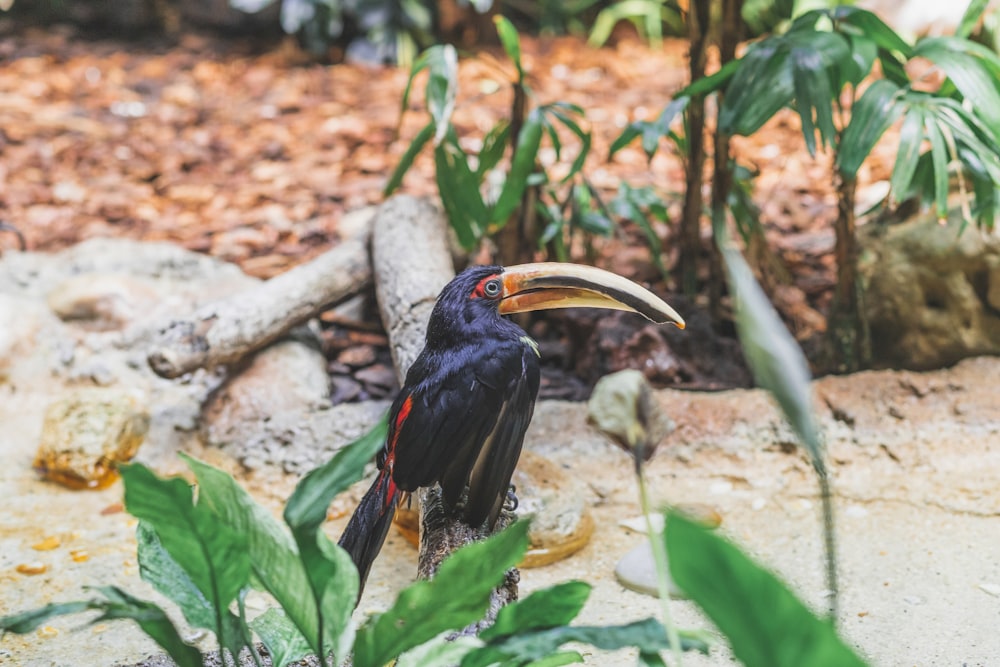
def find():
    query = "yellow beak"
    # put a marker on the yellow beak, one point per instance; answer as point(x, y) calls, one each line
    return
point(547, 285)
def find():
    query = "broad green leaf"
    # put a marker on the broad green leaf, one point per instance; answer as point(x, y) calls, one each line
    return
point(543, 609)
point(283, 640)
point(427, 608)
point(511, 43)
point(874, 112)
point(442, 651)
point(406, 161)
point(441, 61)
point(522, 166)
point(767, 626)
point(863, 54)
point(116, 605)
point(158, 567)
point(651, 660)
point(274, 559)
point(648, 636)
point(939, 159)
point(213, 555)
point(711, 83)
point(911, 137)
point(558, 660)
point(307, 506)
point(331, 573)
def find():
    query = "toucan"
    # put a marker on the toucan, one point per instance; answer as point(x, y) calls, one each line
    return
point(459, 419)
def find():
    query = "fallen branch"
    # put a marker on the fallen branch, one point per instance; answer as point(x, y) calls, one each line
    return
point(412, 262)
point(225, 331)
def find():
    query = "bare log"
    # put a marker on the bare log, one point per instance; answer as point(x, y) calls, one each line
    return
point(412, 263)
point(227, 330)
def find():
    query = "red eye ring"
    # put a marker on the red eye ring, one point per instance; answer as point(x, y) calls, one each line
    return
point(490, 287)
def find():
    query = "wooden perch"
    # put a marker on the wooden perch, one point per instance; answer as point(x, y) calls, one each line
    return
point(412, 263)
point(227, 330)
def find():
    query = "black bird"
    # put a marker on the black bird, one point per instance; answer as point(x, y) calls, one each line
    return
point(460, 418)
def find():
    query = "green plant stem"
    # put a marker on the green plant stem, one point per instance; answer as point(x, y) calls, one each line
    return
point(826, 498)
point(660, 561)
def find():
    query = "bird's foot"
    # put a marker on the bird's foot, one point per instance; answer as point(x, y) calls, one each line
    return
point(511, 503)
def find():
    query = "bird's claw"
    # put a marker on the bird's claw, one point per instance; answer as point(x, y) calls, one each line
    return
point(511, 503)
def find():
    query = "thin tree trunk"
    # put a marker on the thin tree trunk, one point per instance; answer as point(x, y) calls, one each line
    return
point(850, 347)
point(689, 243)
point(722, 179)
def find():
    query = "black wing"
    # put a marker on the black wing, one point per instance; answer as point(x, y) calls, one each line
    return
point(465, 424)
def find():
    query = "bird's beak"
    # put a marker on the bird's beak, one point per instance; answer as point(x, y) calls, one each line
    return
point(546, 285)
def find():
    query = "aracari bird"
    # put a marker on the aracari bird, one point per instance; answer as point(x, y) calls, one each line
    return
point(459, 419)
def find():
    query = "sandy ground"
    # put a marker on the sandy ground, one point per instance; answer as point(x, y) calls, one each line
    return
point(916, 459)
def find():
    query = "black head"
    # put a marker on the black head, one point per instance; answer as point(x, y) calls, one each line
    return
point(468, 307)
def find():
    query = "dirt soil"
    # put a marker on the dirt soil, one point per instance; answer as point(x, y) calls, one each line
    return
point(253, 153)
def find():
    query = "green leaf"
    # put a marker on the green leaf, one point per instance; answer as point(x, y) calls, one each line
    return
point(116, 605)
point(522, 166)
point(274, 559)
point(442, 651)
point(307, 506)
point(511, 43)
point(543, 609)
point(974, 71)
point(151, 619)
point(767, 626)
point(428, 608)
point(282, 638)
point(214, 556)
point(971, 17)
point(458, 188)
point(557, 659)
point(911, 136)
point(406, 161)
point(760, 87)
point(872, 27)
point(871, 116)
point(939, 160)
point(651, 660)
point(332, 576)
point(28, 621)
point(648, 636)
point(494, 145)
point(442, 63)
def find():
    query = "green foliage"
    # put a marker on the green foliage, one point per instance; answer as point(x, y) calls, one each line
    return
point(648, 17)
point(383, 30)
point(476, 204)
point(767, 626)
point(116, 604)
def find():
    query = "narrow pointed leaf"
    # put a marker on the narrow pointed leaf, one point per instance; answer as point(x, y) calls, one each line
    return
point(522, 166)
point(874, 28)
point(911, 137)
point(974, 74)
point(939, 160)
point(874, 112)
point(406, 161)
point(28, 621)
point(511, 43)
point(494, 146)
point(971, 17)
point(767, 626)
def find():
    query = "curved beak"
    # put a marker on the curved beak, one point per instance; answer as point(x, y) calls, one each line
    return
point(546, 285)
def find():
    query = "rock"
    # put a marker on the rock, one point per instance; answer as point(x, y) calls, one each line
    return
point(86, 434)
point(101, 300)
point(556, 504)
point(264, 406)
point(931, 292)
point(636, 571)
point(357, 356)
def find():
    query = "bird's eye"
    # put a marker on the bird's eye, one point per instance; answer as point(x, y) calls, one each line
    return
point(492, 288)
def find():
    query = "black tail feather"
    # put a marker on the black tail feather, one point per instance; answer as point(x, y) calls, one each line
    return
point(369, 525)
